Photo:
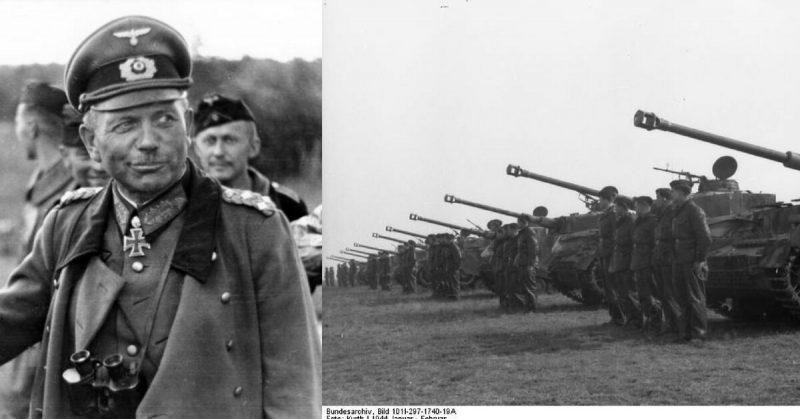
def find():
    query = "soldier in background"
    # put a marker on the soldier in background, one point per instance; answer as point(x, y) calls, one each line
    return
point(642, 262)
point(372, 271)
point(487, 270)
point(621, 263)
point(384, 271)
point(663, 259)
point(509, 270)
point(605, 251)
point(692, 241)
point(523, 295)
point(352, 274)
point(225, 139)
point(451, 261)
point(39, 126)
point(435, 264)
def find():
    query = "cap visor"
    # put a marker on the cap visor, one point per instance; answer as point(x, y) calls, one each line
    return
point(137, 98)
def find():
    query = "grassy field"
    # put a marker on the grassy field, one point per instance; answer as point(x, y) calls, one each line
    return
point(389, 348)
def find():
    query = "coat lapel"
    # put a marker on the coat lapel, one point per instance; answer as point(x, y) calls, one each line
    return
point(95, 293)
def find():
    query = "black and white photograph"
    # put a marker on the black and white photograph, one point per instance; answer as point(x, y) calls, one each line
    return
point(160, 209)
point(561, 203)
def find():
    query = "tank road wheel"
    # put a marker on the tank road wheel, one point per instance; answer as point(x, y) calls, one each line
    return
point(571, 293)
point(464, 280)
point(787, 285)
point(591, 287)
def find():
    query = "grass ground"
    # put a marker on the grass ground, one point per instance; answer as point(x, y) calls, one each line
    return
point(389, 348)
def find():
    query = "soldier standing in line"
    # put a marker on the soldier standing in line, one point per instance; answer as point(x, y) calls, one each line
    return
point(372, 271)
point(605, 251)
point(509, 269)
point(487, 256)
point(435, 265)
point(411, 262)
point(692, 241)
point(352, 274)
point(451, 261)
point(526, 261)
point(497, 261)
point(663, 259)
point(642, 263)
point(384, 271)
point(621, 263)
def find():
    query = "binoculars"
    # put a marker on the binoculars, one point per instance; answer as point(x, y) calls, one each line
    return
point(107, 389)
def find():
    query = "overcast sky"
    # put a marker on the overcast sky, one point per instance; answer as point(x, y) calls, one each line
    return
point(39, 31)
point(427, 97)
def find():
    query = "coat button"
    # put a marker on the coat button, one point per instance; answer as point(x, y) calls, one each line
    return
point(132, 350)
point(229, 344)
point(225, 297)
point(55, 284)
point(237, 391)
point(137, 266)
point(213, 256)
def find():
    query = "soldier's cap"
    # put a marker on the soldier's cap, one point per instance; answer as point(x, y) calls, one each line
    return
point(411, 243)
point(609, 192)
point(682, 185)
point(494, 223)
point(216, 109)
point(664, 192)
point(643, 200)
point(128, 62)
point(623, 201)
point(43, 95)
point(72, 121)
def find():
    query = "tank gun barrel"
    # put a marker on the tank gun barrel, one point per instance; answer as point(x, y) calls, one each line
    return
point(360, 252)
point(649, 121)
point(378, 236)
point(352, 254)
point(374, 248)
point(687, 175)
point(416, 217)
point(341, 259)
point(408, 233)
point(542, 221)
point(517, 171)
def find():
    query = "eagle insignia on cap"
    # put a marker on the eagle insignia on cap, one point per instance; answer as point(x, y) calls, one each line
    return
point(133, 34)
point(137, 68)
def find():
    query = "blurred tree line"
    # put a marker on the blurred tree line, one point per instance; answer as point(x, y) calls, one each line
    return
point(285, 97)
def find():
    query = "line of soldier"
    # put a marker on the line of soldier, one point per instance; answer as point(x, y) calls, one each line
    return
point(654, 260)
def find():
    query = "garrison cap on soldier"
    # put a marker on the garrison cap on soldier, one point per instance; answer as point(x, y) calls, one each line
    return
point(216, 109)
point(643, 200)
point(128, 62)
point(44, 96)
point(494, 223)
point(682, 185)
point(609, 192)
point(663, 193)
point(623, 202)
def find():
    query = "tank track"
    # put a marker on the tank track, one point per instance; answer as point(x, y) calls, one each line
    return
point(786, 286)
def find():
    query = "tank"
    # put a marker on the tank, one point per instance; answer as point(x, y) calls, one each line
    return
point(565, 261)
point(754, 268)
point(472, 266)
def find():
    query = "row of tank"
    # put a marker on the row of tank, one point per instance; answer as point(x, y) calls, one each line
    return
point(754, 262)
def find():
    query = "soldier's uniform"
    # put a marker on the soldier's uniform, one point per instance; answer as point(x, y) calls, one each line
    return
point(509, 269)
point(605, 252)
point(151, 310)
point(663, 260)
point(621, 268)
point(384, 272)
point(372, 271)
point(642, 267)
point(451, 260)
point(692, 241)
point(352, 273)
point(523, 293)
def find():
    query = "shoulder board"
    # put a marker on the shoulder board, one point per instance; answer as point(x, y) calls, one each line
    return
point(286, 191)
point(81, 194)
point(249, 199)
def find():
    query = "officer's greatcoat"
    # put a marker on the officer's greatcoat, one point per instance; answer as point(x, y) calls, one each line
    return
point(242, 343)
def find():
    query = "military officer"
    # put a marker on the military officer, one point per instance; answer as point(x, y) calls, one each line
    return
point(225, 139)
point(663, 259)
point(162, 294)
point(605, 250)
point(642, 262)
point(692, 241)
point(621, 263)
point(39, 127)
point(451, 260)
